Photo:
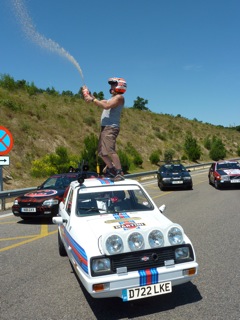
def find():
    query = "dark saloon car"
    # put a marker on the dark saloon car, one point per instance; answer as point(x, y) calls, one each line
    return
point(44, 201)
point(224, 173)
point(171, 175)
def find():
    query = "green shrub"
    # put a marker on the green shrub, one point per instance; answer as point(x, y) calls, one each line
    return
point(191, 148)
point(154, 157)
point(11, 105)
point(238, 151)
point(125, 161)
point(168, 155)
point(218, 150)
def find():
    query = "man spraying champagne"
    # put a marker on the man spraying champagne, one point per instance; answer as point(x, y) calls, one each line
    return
point(110, 124)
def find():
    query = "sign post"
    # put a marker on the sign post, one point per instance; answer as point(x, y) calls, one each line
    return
point(6, 144)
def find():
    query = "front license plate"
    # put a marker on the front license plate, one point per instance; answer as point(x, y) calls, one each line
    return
point(146, 291)
point(28, 209)
point(235, 181)
point(177, 182)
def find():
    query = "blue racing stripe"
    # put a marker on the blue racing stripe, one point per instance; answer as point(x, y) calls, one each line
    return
point(105, 181)
point(148, 277)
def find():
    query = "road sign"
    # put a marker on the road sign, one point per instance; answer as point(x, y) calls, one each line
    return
point(4, 161)
point(6, 141)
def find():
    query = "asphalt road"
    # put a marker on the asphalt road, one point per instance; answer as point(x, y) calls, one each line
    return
point(36, 283)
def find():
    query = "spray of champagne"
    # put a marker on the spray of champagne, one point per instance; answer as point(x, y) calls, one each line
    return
point(32, 34)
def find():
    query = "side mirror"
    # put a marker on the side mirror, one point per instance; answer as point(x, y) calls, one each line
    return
point(59, 220)
point(162, 208)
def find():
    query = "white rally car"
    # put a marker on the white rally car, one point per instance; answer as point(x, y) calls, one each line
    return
point(118, 241)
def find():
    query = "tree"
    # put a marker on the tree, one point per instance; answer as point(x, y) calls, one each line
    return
point(217, 151)
point(67, 93)
point(207, 143)
point(140, 104)
point(192, 149)
point(53, 163)
point(168, 155)
point(136, 157)
point(89, 152)
point(124, 159)
point(154, 157)
point(99, 95)
point(7, 82)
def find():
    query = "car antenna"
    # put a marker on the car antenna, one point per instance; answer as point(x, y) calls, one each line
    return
point(82, 168)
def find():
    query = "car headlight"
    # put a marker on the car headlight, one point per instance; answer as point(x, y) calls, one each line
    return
point(50, 202)
point(166, 179)
point(187, 178)
point(175, 236)
point(101, 265)
point(136, 241)
point(225, 178)
point(15, 202)
point(182, 253)
point(155, 239)
point(114, 244)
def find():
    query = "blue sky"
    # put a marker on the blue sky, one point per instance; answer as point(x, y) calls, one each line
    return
point(183, 56)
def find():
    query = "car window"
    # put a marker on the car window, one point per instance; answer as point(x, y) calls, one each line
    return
point(50, 183)
point(60, 182)
point(69, 201)
point(112, 201)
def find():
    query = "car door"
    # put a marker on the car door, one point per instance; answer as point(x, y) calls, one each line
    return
point(211, 173)
point(65, 209)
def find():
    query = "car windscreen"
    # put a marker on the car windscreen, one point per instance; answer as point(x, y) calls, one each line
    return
point(228, 165)
point(61, 182)
point(174, 168)
point(106, 200)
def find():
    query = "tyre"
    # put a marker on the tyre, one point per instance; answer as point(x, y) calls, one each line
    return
point(61, 248)
point(216, 184)
point(162, 187)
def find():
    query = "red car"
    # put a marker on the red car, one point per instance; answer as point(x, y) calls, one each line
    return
point(44, 201)
point(224, 173)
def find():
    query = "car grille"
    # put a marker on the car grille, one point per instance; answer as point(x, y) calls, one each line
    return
point(146, 259)
point(29, 204)
point(235, 177)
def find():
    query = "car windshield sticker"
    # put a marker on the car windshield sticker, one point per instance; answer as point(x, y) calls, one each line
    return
point(126, 224)
point(41, 193)
point(232, 171)
point(124, 219)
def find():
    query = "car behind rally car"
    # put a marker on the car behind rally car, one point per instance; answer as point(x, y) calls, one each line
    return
point(174, 175)
point(224, 173)
point(119, 243)
point(44, 201)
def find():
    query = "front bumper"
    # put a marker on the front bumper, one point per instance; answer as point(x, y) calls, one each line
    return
point(40, 212)
point(116, 283)
point(177, 184)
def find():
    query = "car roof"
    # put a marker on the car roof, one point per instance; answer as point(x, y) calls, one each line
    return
point(97, 182)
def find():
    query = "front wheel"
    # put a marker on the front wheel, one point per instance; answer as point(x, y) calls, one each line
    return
point(61, 248)
point(216, 184)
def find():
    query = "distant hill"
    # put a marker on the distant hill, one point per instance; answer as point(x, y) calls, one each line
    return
point(42, 121)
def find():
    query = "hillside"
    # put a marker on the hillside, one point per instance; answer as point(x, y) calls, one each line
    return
point(41, 122)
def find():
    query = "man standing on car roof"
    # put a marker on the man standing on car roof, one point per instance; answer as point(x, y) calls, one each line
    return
point(110, 124)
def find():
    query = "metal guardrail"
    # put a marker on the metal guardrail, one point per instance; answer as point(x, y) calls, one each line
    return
point(18, 192)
